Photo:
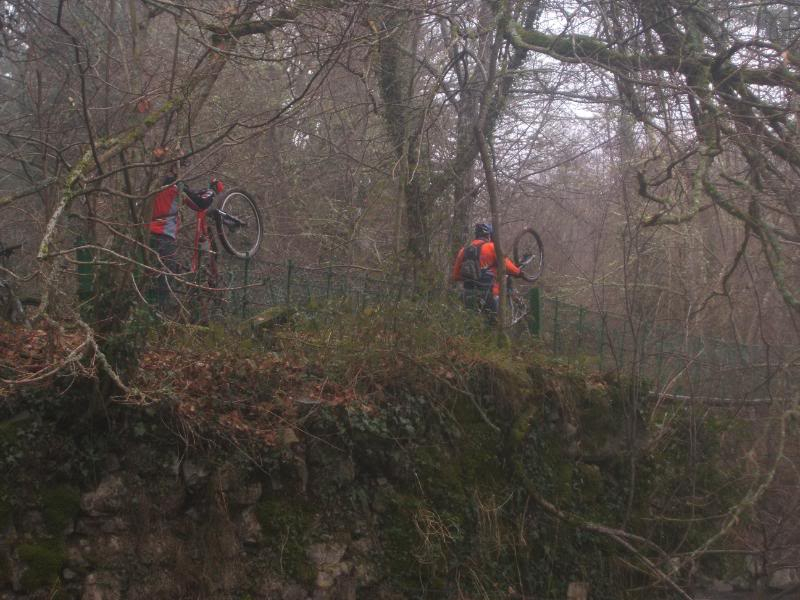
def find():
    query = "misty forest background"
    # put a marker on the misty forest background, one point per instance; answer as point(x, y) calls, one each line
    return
point(653, 144)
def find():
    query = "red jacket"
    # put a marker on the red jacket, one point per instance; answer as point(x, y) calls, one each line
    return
point(166, 219)
point(487, 260)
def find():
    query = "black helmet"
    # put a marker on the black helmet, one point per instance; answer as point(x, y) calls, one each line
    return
point(483, 230)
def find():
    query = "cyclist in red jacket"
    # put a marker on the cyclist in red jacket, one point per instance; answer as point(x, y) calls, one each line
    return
point(166, 221)
point(476, 267)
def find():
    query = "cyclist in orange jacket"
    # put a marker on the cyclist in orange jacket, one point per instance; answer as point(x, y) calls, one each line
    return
point(476, 267)
point(165, 221)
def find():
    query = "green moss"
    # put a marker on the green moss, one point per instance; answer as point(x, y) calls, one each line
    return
point(60, 507)
point(455, 497)
point(6, 509)
point(287, 524)
point(479, 451)
point(10, 428)
point(153, 118)
point(8, 431)
point(451, 473)
point(6, 513)
point(551, 469)
point(400, 538)
point(440, 476)
point(6, 577)
point(43, 562)
point(591, 482)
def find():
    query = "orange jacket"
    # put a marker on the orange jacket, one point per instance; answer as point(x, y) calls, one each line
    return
point(487, 260)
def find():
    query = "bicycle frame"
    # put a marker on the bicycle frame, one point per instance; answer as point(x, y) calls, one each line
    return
point(517, 304)
point(203, 235)
point(201, 280)
point(194, 302)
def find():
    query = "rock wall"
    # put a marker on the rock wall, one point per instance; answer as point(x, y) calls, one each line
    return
point(412, 491)
point(158, 521)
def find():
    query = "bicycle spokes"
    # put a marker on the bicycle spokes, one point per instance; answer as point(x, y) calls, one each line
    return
point(529, 254)
point(231, 221)
point(239, 224)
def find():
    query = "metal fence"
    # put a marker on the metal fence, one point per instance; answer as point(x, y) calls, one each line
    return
point(257, 285)
point(664, 353)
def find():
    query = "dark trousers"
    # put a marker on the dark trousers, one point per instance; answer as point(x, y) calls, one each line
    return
point(167, 250)
point(480, 299)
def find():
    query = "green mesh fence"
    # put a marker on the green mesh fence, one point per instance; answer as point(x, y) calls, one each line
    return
point(661, 352)
point(256, 285)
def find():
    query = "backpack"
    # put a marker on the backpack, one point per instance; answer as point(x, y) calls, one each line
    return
point(471, 272)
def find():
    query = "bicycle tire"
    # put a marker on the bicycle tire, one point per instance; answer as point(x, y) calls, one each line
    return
point(241, 238)
point(529, 254)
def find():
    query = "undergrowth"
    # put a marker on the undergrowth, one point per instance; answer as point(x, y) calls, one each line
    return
point(422, 433)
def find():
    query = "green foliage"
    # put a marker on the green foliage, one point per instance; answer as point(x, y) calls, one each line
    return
point(43, 561)
point(124, 342)
point(399, 537)
point(120, 323)
point(6, 570)
point(8, 431)
point(435, 440)
point(61, 505)
point(6, 510)
point(16, 436)
point(287, 526)
point(448, 468)
point(680, 478)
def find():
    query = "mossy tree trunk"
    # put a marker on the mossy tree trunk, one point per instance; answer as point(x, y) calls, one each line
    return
point(423, 185)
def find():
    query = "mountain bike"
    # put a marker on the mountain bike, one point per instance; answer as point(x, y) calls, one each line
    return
point(200, 290)
point(528, 253)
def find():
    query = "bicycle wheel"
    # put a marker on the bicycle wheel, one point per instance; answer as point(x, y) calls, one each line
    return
point(529, 254)
point(239, 224)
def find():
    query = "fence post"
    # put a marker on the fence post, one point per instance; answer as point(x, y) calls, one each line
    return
point(85, 283)
point(364, 291)
point(271, 289)
point(289, 267)
point(535, 320)
point(328, 282)
point(696, 351)
point(581, 314)
point(246, 281)
point(660, 360)
point(555, 326)
point(640, 351)
point(602, 337)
